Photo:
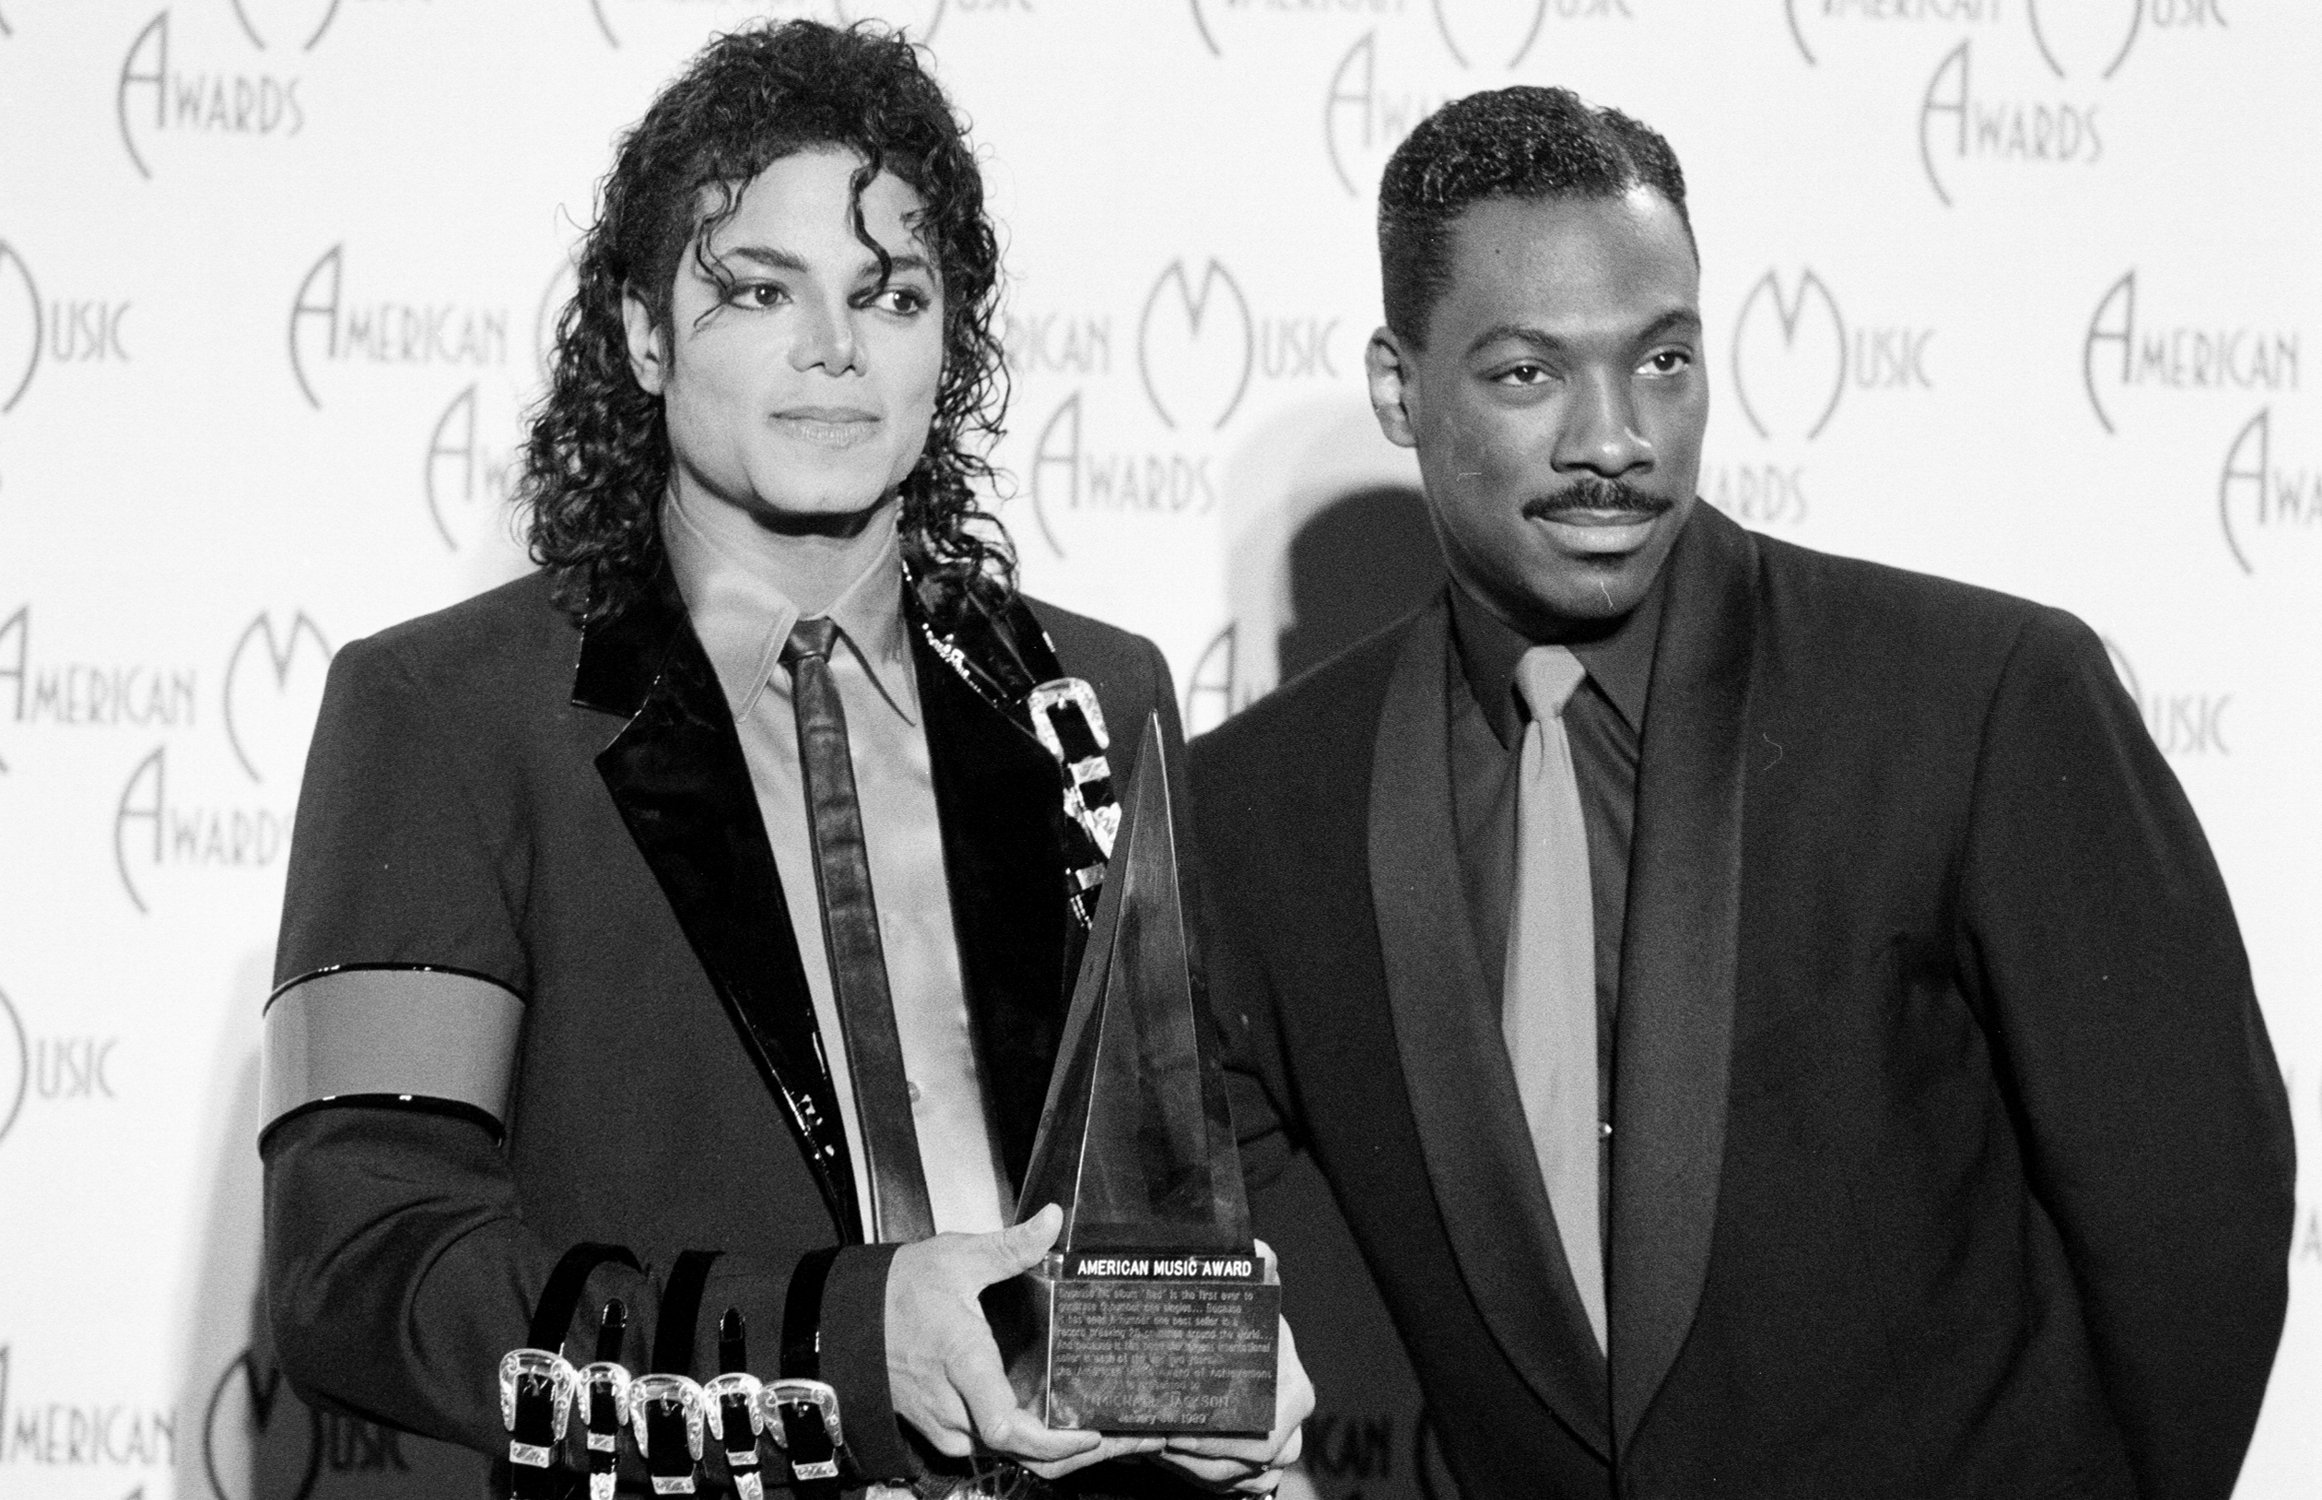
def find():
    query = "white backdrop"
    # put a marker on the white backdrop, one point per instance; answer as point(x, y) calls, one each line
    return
point(2018, 292)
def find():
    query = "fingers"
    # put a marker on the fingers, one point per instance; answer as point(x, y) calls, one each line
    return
point(1105, 1451)
point(1002, 1425)
point(1017, 1249)
point(1222, 1474)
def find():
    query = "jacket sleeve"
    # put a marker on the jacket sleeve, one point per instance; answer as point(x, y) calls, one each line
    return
point(399, 1266)
point(2102, 949)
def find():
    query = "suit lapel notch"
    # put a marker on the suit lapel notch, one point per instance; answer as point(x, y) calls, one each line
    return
point(1477, 1149)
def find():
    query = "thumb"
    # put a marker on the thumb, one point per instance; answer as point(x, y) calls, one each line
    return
point(1018, 1248)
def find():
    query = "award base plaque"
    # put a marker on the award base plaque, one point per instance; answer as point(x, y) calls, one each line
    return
point(1157, 1312)
point(1159, 1343)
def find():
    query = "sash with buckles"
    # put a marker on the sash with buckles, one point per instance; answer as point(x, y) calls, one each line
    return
point(1011, 664)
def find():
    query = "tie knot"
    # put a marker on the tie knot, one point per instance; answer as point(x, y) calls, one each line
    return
point(810, 638)
point(1546, 677)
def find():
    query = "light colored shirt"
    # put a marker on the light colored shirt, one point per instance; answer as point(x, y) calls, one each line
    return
point(717, 554)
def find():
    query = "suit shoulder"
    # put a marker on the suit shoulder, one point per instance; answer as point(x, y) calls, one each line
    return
point(1089, 646)
point(1334, 703)
point(1851, 595)
point(493, 644)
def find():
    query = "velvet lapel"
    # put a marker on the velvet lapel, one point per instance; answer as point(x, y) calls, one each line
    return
point(1472, 1134)
point(999, 797)
point(677, 775)
point(1675, 1029)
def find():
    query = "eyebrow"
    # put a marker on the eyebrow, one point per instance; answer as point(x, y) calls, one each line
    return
point(1676, 319)
point(783, 260)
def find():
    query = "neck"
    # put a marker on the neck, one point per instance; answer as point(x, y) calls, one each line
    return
point(811, 559)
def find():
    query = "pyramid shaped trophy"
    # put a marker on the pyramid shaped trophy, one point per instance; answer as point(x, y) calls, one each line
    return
point(1155, 1313)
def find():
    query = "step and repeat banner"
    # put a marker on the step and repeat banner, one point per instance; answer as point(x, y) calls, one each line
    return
point(2018, 291)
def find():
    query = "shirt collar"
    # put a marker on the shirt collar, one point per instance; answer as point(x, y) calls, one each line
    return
point(744, 619)
point(1619, 662)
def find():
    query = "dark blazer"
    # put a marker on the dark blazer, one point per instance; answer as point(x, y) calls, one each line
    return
point(1950, 1156)
point(574, 821)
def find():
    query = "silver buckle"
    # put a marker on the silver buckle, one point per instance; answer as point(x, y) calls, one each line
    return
point(604, 1376)
point(806, 1397)
point(1054, 698)
point(678, 1390)
point(520, 1368)
point(1050, 696)
point(734, 1385)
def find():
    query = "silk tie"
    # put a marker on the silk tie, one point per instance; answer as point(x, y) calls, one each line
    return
point(1548, 1011)
point(850, 926)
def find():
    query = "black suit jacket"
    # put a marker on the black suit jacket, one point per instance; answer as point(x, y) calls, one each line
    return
point(574, 821)
point(1950, 1156)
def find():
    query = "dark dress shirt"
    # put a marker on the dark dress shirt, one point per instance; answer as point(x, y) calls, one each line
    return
point(1604, 723)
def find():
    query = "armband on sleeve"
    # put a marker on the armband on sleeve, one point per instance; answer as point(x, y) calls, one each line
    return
point(390, 1035)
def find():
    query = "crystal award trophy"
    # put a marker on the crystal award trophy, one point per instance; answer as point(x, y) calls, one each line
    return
point(1155, 1313)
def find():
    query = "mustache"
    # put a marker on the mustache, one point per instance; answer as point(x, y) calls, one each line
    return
point(1593, 493)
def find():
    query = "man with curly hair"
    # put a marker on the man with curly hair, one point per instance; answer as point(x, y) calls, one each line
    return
point(1772, 1021)
point(689, 925)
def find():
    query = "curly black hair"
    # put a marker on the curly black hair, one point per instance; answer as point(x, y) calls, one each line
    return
point(1520, 142)
point(597, 461)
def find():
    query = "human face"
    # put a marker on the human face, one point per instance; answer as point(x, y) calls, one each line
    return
point(802, 393)
point(1558, 405)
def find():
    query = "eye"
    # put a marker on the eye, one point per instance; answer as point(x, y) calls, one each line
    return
point(903, 301)
point(1667, 362)
point(756, 294)
point(1523, 373)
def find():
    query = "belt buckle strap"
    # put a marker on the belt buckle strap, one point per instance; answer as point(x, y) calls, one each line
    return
point(536, 1388)
point(803, 1416)
point(602, 1378)
point(733, 1401)
point(664, 1399)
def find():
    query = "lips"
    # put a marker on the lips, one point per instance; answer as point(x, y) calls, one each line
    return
point(1598, 502)
point(828, 426)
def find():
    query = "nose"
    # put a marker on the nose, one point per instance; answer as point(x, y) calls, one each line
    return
point(826, 337)
point(1601, 433)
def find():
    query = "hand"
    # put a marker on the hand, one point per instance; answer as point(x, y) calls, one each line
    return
point(1252, 1466)
point(944, 1370)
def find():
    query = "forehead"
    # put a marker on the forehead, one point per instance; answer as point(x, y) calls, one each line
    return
point(1569, 259)
point(808, 197)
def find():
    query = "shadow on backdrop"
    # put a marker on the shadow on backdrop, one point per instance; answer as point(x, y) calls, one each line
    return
point(1359, 564)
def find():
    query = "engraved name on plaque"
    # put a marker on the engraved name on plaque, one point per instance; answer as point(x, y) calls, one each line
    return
point(1156, 1312)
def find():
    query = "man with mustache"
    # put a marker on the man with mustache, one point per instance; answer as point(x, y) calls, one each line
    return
point(1772, 1022)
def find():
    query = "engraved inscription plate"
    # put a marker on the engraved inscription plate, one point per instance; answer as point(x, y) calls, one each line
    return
point(1148, 1352)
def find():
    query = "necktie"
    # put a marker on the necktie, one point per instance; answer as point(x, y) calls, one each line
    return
point(850, 926)
point(1548, 1012)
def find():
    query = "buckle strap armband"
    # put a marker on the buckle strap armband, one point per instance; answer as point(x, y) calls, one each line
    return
point(537, 1384)
point(667, 1407)
point(801, 1409)
point(733, 1395)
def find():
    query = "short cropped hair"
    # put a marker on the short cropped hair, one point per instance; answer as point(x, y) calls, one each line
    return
point(598, 458)
point(1520, 142)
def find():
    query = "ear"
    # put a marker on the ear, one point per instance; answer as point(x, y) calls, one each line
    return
point(648, 343)
point(1387, 370)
